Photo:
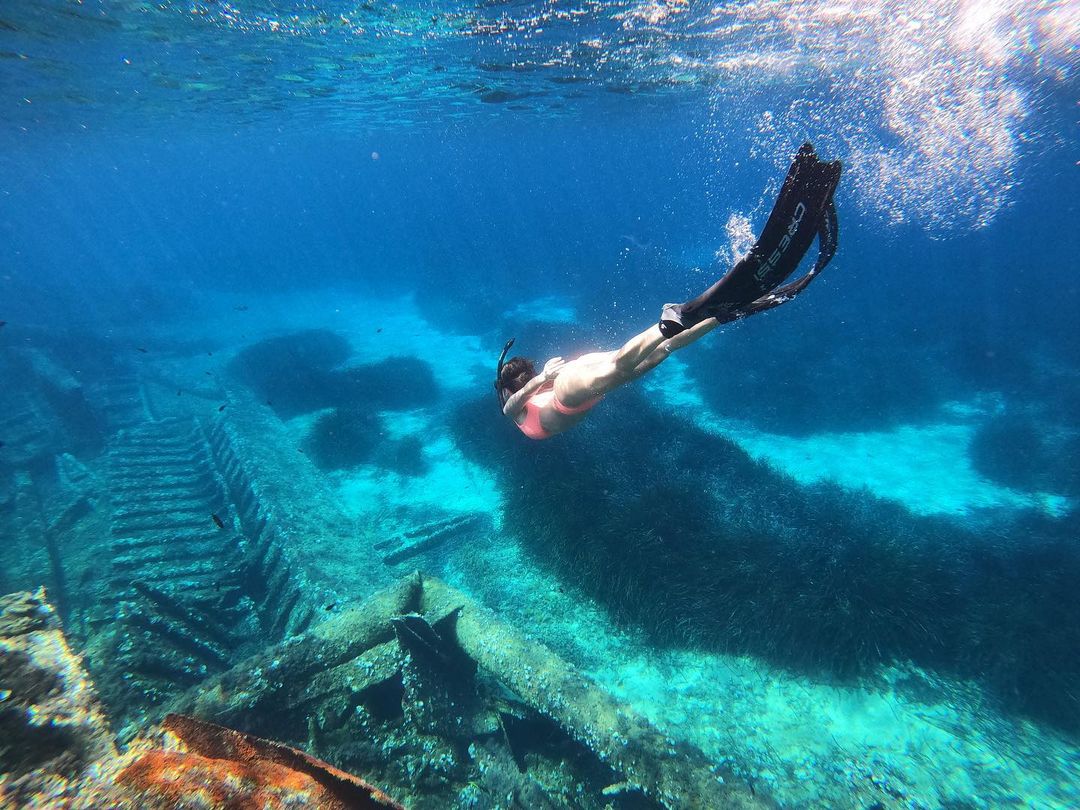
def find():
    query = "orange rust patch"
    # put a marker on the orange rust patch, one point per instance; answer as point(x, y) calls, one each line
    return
point(172, 778)
point(225, 768)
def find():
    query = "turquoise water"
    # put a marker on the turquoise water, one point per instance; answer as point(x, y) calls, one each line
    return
point(257, 262)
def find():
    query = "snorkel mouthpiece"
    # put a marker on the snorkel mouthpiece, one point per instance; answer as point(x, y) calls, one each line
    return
point(498, 371)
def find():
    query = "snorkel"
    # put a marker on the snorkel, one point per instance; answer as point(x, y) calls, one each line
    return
point(498, 372)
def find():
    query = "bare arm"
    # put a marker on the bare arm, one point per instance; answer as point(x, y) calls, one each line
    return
point(516, 403)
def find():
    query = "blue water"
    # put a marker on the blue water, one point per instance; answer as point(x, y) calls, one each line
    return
point(180, 181)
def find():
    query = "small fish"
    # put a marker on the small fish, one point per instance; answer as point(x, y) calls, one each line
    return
point(635, 241)
point(378, 331)
point(207, 373)
point(241, 308)
point(329, 607)
point(140, 349)
point(209, 354)
point(1, 444)
point(3, 324)
point(178, 392)
point(217, 521)
point(219, 410)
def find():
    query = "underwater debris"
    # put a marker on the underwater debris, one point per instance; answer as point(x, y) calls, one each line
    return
point(46, 401)
point(121, 400)
point(56, 748)
point(233, 696)
point(273, 493)
point(672, 773)
point(418, 689)
point(30, 431)
point(23, 612)
point(187, 597)
point(47, 496)
point(427, 670)
point(418, 638)
point(420, 539)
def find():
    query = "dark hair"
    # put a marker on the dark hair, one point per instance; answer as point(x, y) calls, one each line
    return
point(515, 373)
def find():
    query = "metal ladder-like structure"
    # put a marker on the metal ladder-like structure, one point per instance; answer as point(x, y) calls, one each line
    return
point(193, 590)
point(120, 400)
point(175, 575)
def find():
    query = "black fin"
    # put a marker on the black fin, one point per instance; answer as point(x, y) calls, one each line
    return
point(827, 241)
point(803, 210)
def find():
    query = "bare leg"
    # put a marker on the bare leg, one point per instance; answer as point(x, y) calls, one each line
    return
point(598, 373)
point(664, 350)
point(580, 382)
point(637, 349)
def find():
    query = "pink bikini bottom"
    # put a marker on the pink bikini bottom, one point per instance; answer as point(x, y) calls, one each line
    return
point(531, 426)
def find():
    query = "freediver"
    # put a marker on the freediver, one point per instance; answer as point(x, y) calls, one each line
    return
point(557, 398)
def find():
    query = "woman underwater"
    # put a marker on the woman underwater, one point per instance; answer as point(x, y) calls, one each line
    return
point(557, 398)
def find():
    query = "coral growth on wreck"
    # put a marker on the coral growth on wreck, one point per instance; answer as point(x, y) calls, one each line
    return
point(419, 687)
point(52, 729)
